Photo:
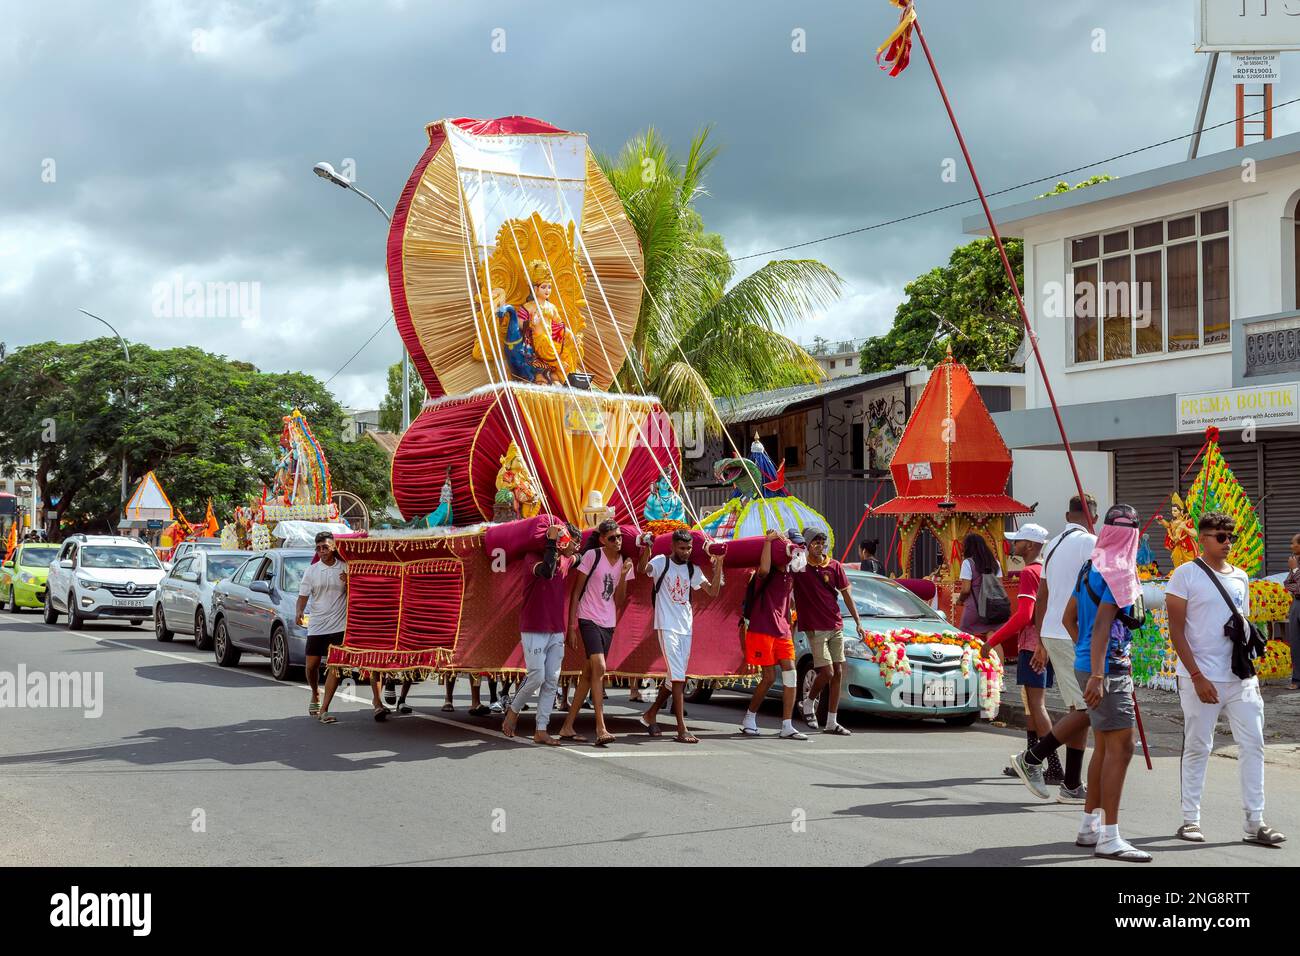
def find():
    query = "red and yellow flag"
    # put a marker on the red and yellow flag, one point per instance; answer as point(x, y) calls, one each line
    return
point(896, 51)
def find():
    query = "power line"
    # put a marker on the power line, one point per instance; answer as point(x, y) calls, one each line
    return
point(383, 325)
point(1000, 192)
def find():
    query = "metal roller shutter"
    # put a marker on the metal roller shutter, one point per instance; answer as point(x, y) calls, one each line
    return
point(1280, 511)
point(1145, 478)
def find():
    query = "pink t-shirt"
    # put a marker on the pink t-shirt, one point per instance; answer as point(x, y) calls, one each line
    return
point(597, 604)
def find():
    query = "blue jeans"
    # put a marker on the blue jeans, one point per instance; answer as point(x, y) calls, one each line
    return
point(543, 655)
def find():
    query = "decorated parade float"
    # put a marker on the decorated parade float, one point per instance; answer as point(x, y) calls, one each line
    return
point(516, 285)
point(1215, 488)
point(950, 475)
point(300, 502)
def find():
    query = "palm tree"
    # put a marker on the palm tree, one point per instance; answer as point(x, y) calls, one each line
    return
point(697, 335)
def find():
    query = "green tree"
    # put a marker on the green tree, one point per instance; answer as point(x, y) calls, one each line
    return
point(207, 426)
point(699, 334)
point(390, 408)
point(1064, 187)
point(970, 294)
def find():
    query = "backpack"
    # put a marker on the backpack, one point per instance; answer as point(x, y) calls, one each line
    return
point(659, 580)
point(1132, 620)
point(992, 605)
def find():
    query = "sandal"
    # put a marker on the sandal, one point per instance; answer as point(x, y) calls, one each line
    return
point(480, 711)
point(381, 714)
point(1191, 832)
point(313, 709)
point(1130, 854)
point(750, 731)
point(328, 719)
point(686, 739)
point(839, 730)
point(654, 730)
point(576, 738)
point(1265, 836)
point(604, 740)
point(448, 707)
point(403, 708)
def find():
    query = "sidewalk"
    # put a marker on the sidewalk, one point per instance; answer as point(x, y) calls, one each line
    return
point(1162, 719)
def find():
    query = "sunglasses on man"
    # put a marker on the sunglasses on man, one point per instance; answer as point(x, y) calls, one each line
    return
point(1223, 537)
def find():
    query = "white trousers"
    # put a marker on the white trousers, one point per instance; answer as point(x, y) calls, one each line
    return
point(1245, 708)
point(543, 655)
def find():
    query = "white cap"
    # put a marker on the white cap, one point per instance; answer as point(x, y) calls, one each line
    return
point(1029, 532)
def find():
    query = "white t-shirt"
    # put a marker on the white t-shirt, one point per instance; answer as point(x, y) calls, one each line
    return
point(967, 572)
point(1063, 556)
point(1206, 615)
point(673, 605)
point(327, 597)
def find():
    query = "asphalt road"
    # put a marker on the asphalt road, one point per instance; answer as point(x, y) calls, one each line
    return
point(191, 763)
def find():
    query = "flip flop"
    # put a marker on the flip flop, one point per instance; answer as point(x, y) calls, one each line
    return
point(654, 730)
point(839, 730)
point(448, 707)
point(479, 711)
point(328, 719)
point(576, 738)
point(750, 731)
point(686, 739)
point(606, 740)
point(1129, 854)
point(381, 714)
point(552, 742)
point(403, 708)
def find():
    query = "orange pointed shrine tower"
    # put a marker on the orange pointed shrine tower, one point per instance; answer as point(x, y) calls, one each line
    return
point(950, 470)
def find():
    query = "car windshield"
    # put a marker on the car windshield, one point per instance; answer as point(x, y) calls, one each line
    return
point(879, 597)
point(295, 566)
point(117, 556)
point(220, 568)
point(37, 557)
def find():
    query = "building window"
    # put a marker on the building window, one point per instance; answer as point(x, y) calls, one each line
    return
point(1156, 287)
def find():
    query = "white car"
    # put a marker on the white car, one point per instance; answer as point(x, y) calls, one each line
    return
point(192, 546)
point(102, 576)
point(183, 601)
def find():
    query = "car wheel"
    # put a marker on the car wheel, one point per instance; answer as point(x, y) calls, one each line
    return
point(227, 654)
point(12, 605)
point(279, 655)
point(201, 639)
point(961, 720)
point(695, 692)
point(75, 620)
point(49, 615)
point(160, 628)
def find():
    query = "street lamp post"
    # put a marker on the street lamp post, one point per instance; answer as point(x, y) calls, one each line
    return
point(327, 172)
point(125, 390)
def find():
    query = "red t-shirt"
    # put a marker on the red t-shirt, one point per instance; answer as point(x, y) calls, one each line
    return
point(543, 609)
point(815, 598)
point(770, 614)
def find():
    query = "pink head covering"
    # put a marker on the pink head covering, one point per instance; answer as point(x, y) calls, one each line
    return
point(1115, 555)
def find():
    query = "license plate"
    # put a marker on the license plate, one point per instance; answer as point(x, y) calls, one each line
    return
point(131, 602)
point(939, 693)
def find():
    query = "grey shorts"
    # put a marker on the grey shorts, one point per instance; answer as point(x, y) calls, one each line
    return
point(1116, 711)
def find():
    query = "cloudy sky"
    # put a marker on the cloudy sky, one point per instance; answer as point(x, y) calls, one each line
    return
point(153, 143)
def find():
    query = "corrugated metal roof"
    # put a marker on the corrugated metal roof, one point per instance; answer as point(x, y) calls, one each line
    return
point(773, 402)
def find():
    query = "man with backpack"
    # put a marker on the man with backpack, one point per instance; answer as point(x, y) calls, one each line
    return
point(674, 576)
point(817, 592)
point(1062, 558)
point(765, 636)
point(1101, 616)
point(1208, 601)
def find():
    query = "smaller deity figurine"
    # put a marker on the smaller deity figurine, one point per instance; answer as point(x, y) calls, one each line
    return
point(441, 516)
point(596, 510)
point(513, 478)
point(1180, 536)
point(663, 504)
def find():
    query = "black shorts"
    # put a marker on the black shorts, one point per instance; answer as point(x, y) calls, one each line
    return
point(595, 639)
point(318, 645)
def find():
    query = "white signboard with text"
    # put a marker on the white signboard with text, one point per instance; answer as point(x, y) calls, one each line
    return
point(1258, 406)
point(1258, 25)
point(1257, 67)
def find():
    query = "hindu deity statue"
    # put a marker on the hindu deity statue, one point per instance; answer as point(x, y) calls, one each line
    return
point(513, 478)
point(663, 504)
point(1180, 536)
point(441, 515)
point(555, 346)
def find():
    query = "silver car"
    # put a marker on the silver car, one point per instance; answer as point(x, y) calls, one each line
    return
point(253, 611)
point(192, 546)
point(183, 601)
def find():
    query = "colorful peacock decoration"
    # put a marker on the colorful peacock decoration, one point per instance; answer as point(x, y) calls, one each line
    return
point(1215, 488)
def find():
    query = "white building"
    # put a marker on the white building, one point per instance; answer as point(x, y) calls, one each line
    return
point(1208, 333)
point(837, 359)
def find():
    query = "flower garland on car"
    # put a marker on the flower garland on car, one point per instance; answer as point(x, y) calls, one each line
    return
point(890, 655)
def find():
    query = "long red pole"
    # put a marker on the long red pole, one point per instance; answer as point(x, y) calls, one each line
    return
point(1024, 314)
point(861, 521)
